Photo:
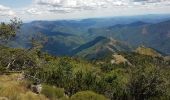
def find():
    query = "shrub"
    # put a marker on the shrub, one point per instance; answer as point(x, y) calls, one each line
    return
point(114, 84)
point(88, 95)
point(52, 92)
point(147, 82)
point(32, 96)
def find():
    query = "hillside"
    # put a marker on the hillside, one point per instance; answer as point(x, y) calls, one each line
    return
point(99, 47)
point(153, 35)
point(147, 51)
point(66, 35)
point(13, 87)
point(70, 78)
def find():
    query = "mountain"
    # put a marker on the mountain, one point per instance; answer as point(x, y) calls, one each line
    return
point(99, 63)
point(80, 27)
point(134, 24)
point(64, 36)
point(155, 35)
point(99, 47)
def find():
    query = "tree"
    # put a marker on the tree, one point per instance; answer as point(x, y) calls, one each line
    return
point(8, 30)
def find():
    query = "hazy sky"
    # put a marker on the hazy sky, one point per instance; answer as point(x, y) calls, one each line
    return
point(68, 9)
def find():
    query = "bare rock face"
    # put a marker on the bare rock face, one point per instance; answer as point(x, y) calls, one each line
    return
point(36, 88)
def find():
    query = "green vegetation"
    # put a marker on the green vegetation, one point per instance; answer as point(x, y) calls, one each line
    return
point(135, 77)
point(14, 89)
point(147, 51)
point(146, 78)
point(52, 92)
point(87, 95)
point(70, 36)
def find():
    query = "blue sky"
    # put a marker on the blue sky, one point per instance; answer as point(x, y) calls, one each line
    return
point(73, 9)
point(15, 3)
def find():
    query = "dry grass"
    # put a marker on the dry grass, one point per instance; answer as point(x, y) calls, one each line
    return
point(14, 89)
point(147, 51)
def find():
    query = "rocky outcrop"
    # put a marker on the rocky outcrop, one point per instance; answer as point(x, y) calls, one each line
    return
point(36, 88)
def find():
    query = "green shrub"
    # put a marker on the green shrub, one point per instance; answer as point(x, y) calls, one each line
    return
point(52, 92)
point(115, 84)
point(88, 95)
point(2, 70)
point(147, 82)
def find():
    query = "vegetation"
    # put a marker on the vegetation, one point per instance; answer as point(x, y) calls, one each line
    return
point(14, 89)
point(141, 77)
point(147, 51)
point(9, 30)
point(52, 92)
point(87, 95)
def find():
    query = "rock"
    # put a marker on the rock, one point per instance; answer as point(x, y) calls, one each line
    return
point(36, 88)
point(118, 59)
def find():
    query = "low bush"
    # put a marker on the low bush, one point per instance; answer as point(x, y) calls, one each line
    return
point(52, 92)
point(88, 95)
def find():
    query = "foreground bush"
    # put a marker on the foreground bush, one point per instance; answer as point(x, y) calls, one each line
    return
point(88, 95)
point(147, 82)
point(52, 92)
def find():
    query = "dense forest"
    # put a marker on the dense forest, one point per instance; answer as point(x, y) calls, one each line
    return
point(142, 74)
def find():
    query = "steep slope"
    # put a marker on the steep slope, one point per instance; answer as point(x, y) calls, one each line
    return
point(100, 47)
point(62, 45)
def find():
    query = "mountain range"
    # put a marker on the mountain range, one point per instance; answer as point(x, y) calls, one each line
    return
point(93, 37)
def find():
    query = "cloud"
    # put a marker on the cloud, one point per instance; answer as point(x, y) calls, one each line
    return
point(77, 5)
point(148, 1)
point(67, 6)
point(59, 9)
point(6, 11)
point(152, 2)
point(33, 11)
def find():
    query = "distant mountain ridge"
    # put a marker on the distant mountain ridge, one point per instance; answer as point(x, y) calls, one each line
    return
point(68, 37)
point(99, 47)
point(155, 35)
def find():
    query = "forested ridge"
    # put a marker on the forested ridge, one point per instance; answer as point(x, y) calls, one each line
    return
point(133, 75)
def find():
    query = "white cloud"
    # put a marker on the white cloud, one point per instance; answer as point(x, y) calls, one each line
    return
point(33, 11)
point(6, 11)
point(152, 2)
point(66, 6)
point(77, 5)
point(64, 9)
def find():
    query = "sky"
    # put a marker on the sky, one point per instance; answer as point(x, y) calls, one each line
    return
point(78, 9)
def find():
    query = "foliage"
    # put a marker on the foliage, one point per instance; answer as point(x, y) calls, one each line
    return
point(18, 59)
point(8, 30)
point(146, 77)
point(52, 92)
point(75, 75)
point(13, 89)
point(115, 84)
point(147, 82)
point(87, 95)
